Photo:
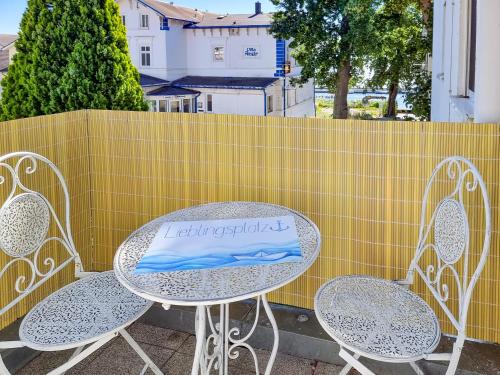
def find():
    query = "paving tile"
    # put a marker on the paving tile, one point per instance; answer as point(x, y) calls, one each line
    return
point(120, 358)
point(45, 362)
point(48, 361)
point(188, 345)
point(150, 334)
point(323, 368)
point(181, 364)
point(175, 340)
point(283, 365)
point(178, 364)
point(158, 336)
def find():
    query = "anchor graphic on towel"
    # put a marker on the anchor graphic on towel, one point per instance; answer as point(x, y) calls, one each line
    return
point(280, 227)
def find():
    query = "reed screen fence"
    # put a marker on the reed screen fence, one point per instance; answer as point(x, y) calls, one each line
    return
point(360, 181)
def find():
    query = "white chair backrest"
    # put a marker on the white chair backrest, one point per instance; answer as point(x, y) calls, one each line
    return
point(25, 218)
point(447, 235)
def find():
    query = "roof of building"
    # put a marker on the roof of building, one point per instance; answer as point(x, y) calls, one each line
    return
point(249, 83)
point(233, 20)
point(4, 61)
point(7, 39)
point(199, 19)
point(171, 91)
point(151, 81)
point(176, 12)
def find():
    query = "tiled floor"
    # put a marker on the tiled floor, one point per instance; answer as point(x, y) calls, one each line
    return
point(173, 352)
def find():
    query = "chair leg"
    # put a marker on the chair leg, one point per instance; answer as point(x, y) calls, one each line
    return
point(3, 369)
point(7, 345)
point(82, 355)
point(455, 357)
point(75, 353)
point(353, 362)
point(348, 366)
point(418, 370)
point(141, 353)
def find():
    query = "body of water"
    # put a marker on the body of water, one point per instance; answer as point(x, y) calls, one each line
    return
point(359, 96)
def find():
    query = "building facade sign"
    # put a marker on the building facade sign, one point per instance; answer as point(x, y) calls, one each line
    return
point(251, 52)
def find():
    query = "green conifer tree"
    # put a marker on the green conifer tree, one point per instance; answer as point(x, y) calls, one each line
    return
point(71, 54)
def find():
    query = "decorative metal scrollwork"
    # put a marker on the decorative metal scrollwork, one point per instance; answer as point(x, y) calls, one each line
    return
point(223, 342)
point(450, 241)
point(25, 217)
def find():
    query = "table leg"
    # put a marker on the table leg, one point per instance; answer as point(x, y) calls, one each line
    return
point(235, 343)
point(200, 329)
point(276, 342)
point(223, 343)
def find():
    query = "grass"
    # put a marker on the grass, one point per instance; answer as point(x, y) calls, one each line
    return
point(324, 109)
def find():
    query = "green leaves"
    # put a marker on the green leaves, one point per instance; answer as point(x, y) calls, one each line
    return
point(330, 40)
point(403, 47)
point(328, 35)
point(72, 57)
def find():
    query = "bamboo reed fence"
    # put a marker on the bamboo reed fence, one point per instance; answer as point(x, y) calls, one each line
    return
point(361, 182)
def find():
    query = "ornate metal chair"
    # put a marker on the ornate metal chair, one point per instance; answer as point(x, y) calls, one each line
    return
point(86, 313)
point(382, 319)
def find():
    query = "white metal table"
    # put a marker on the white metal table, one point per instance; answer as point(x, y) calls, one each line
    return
point(220, 286)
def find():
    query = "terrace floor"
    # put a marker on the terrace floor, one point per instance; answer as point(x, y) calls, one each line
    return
point(172, 351)
point(305, 349)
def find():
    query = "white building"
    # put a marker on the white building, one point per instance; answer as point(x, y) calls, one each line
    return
point(466, 61)
point(194, 61)
point(7, 50)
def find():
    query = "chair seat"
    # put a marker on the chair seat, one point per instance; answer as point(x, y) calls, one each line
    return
point(377, 318)
point(81, 313)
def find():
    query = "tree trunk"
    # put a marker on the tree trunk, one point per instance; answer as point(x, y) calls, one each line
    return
point(391, 100)
point(340, 109)
point(426, 6)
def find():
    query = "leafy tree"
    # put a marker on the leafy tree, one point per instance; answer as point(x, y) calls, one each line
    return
point(419, 86)
point(71, 54)
point(401, 48)
point(418, 94)
point(330, 39)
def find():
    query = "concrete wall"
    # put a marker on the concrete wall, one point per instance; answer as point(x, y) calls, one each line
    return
point(451, 98)
point(176, 50)
point(487, 98)
point(201, 60)
point(251, 102)
point(153, 37)
point(242, 102)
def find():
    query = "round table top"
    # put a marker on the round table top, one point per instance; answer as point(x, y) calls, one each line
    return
point(216, 285)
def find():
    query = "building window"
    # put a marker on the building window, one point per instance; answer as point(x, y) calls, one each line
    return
point(175, 106)
point(218, 53)
point(145, 56)
point(200, 106)
point(209, 103)
point(472, 45)
point(270, 104)
point(162, 106)
point(152, 105)
point(144, 21)
point(124, 21)
point(164, 24)
point(186, 105)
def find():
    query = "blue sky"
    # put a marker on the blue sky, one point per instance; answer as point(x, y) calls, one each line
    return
point(11, 11)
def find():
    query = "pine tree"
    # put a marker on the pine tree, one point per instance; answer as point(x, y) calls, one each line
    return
point(71, 54)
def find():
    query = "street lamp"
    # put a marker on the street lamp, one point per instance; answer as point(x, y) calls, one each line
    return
point(287, 68)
